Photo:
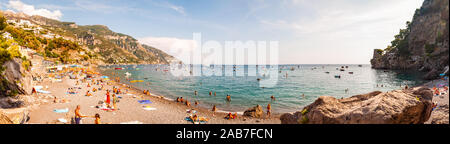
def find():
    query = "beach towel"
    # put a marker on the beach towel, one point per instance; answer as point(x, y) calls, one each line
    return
point(148, 108)
point(62, 120)
point(61, 110)
point(144, 101)
point(190, 120)
point(42, 91)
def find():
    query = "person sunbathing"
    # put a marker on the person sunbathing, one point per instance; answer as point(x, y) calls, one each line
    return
point(235, 115)
point(88, 94)
point(229, 116)
point(148, 93)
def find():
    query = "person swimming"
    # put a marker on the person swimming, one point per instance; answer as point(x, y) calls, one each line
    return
point(303, 95)
point(272, 97)
point(196, 103)
point(214, 93)
point(195, 93)
point(210, 93)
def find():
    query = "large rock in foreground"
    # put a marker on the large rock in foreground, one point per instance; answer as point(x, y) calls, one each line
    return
point(411, 106)
point(255, 112)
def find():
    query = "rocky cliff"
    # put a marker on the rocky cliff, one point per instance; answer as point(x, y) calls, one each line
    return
point(14, 79)
point(101, 42)
point(412, 106)
point(423, 45)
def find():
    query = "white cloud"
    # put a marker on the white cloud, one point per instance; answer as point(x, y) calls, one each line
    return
point(172, 46)
point(30, 10)
point(179, 9)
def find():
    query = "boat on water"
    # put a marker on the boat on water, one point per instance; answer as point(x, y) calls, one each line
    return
point(359, 65)
point(337, 76)
point(342, 69)
point(127, 74)
point(327, 72)
point(350, 72)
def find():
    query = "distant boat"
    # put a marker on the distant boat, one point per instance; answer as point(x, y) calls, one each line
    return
point(337, 76)
point(327, 72)
point(127, 74)
point(359, 65)
point(342, 69)
point(350, 72)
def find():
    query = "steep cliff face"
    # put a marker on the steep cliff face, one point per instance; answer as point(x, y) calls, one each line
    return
point(423, 45)
point(14, 79)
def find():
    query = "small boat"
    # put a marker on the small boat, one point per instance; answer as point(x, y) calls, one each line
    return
point(359, 65)
point(350, 72)
point(327, 72)
point(342, 69)
point(127, 74)
point(346, 66)
point(337, 76)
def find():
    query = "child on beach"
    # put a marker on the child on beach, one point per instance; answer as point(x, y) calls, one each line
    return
point(97, 119)
point(268, 110)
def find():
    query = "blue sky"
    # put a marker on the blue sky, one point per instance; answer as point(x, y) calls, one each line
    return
point(308, 31)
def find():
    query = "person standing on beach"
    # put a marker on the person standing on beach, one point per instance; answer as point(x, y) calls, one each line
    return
point(114, 102)
point(210, 93)
point(269, 108)
point(303, 95)
point(214, 109)
point(272, 97)
point(214, 93)
point(195, 93)
point(78, 115)
point(228, 98)
point(107, 99)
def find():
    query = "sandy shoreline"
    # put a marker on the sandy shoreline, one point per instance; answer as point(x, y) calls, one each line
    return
point(167, 111)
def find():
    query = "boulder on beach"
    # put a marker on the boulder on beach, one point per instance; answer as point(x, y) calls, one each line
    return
point(4, 119)
point(255, 112)
point(412, 106)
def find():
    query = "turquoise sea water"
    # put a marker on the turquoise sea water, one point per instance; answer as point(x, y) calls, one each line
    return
point(246, 91)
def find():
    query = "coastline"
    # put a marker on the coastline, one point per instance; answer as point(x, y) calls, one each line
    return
point(130, 111)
